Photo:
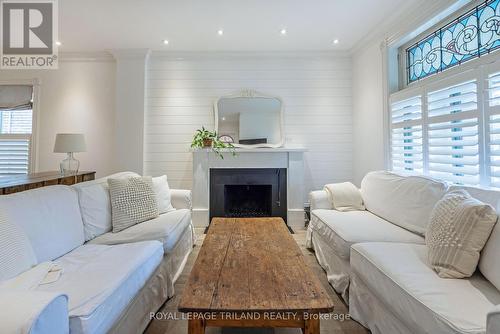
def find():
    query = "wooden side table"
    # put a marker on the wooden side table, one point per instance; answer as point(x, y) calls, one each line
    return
point(14, 184)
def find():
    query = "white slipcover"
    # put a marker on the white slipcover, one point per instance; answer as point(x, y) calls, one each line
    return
point(49, 216)
point(33, 312)
point(320, 199)
point(181, 198)
point(343, 229)
point(166, 228)
point(493, 326)
point(16, 253)
point(95, 204)
point(331, 233)
point(101, 281)
point(406, 201)
point(399, 276)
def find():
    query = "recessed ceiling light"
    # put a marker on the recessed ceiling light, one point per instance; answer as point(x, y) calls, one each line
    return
point(165, 42)
point(283, 31)
point(220, 32)
point(223, 118)
point(58, 43)
point(335, 41)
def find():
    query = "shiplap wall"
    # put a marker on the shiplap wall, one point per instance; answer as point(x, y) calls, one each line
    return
point(316, 90)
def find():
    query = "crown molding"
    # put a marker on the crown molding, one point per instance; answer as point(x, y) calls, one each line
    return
point(101, 56)
point(402, 22)
point(130, 53)
point(185, 55)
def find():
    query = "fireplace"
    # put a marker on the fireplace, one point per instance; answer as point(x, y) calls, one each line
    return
point(248, 192)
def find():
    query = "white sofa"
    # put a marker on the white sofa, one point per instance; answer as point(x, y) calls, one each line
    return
point(377, 260)
point(110, 282)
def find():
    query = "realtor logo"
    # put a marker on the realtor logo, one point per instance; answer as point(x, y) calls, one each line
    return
point(29, 33)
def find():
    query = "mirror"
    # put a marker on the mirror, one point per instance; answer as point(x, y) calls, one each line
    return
point(250, 119)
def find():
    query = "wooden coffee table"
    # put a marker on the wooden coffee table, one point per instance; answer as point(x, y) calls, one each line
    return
point(251, 273)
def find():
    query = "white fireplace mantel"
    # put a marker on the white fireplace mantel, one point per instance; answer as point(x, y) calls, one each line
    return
point(290, 158)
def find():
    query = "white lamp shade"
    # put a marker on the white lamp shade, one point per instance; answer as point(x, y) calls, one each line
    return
point(70, 143)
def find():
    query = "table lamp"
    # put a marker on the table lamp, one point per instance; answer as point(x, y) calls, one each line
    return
point(69, 143)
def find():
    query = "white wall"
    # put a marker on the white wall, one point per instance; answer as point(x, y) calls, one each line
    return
point(130, 109)
point(368, 112)
point(78, 97)
point(316, 89)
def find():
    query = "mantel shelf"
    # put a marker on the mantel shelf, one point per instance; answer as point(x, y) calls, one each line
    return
point(255, 150)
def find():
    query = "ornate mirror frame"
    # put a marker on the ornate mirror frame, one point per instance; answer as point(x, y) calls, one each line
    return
point(256, 94)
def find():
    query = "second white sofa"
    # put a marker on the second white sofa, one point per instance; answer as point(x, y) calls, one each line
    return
point(380, 256)
point(110, 282)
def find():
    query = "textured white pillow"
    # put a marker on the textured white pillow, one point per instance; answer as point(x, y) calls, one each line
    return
point(458, 230)
point(162, 191)
point(16, 253)
point(133, 201)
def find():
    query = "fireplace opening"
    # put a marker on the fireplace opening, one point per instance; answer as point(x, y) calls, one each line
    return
point(248, 192)
point(247, 200)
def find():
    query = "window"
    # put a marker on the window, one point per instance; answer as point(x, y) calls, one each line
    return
point(469, 36)
point(16, 126)
point(456, 135)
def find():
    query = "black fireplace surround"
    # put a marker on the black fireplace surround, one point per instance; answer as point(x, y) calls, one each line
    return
point(248, 192)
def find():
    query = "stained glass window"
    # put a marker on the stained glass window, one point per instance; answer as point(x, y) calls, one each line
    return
point(470, 36)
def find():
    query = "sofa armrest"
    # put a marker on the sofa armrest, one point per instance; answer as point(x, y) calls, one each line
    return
point(493, 321)
point(33, 312)
point(180, 198)
point(320, 199)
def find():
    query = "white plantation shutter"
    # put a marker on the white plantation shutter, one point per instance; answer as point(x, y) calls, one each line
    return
point(406, 135)
point(493, 129)
point(14, 154)
point(15, 141)
point(453, 133)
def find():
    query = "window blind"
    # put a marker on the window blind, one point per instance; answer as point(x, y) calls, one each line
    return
point(493, 128)
point(453, 132)
point(14, 155)
point(406, 134)
point(15, 141)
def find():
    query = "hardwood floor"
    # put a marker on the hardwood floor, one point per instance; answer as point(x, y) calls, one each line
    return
point(174, 324)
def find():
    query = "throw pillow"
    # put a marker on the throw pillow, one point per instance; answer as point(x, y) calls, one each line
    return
point(458, 230)
point(345, 196)
point(16, 253)
point(133, 201)
point(162, 191)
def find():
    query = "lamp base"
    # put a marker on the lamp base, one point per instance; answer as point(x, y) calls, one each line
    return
point(69, 166)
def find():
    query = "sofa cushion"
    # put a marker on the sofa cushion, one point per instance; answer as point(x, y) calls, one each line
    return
point(343, 229)
point(16, 253)
point(49, 216)
point(400, 276)
point(95, 204)
point(166, 228)
point(406, 201)
point(101, 281)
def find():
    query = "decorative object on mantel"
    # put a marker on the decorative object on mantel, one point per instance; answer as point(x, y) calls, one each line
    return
point(226, 139)
point(69, 143)
point(204, 138)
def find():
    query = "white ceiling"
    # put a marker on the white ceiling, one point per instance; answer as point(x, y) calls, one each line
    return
point(191, 25)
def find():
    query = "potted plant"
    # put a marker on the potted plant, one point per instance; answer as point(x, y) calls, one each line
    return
point(204, 138)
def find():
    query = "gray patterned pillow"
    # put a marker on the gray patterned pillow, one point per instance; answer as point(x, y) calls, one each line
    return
point(133, 201)
point(458, 230)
